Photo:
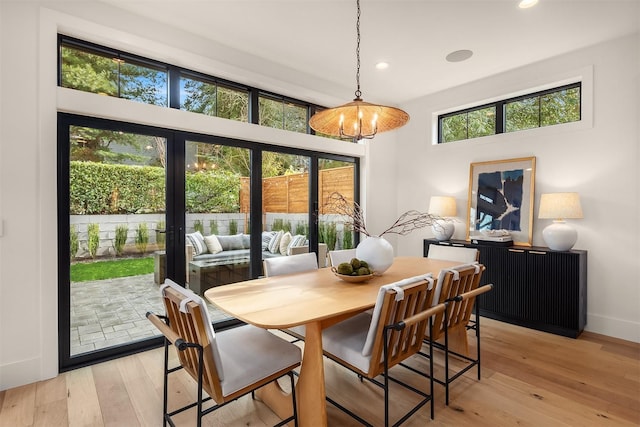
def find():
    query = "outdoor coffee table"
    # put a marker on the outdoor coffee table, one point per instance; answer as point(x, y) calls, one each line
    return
point(207, 274)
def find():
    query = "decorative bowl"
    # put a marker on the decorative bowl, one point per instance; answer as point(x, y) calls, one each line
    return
point(351, 279)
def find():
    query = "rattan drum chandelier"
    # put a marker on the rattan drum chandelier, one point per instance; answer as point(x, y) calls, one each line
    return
point(358, 120)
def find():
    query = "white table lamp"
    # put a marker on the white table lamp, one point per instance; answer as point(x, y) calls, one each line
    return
point(442, 206)
point(560, 236)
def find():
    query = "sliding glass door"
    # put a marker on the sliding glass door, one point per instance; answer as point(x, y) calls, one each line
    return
point(114, 200)
point(138, 205)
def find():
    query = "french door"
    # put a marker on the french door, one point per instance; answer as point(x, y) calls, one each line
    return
point(131, 198)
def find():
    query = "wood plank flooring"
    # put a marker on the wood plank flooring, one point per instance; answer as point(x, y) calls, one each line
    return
point(529, 378)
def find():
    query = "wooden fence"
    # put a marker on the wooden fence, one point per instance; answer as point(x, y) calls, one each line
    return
point(290, 193)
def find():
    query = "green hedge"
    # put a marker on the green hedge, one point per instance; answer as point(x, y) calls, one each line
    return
point(103, 189)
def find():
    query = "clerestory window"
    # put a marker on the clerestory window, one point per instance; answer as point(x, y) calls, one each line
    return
point(545, 108)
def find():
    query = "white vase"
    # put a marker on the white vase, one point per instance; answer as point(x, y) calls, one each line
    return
point(377, 252)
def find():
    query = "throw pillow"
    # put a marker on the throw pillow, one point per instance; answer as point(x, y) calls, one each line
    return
point(213, 244)
point(274, 244)
point(266, 238)
point(297, 240)
point(246, 241)
point(230, 243)
point(284, 242)
point(197, 241)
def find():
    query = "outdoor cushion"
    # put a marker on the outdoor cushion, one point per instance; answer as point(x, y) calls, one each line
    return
point(297, 240)
point(266, 238)
point(284, 243)
point(231, 242)
point(213, 244)
point(274, 244)
point(197, 241)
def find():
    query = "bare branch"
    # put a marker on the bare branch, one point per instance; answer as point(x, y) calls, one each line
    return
point(405, 224)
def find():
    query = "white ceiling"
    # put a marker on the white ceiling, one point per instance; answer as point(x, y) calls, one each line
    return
point(316, 38)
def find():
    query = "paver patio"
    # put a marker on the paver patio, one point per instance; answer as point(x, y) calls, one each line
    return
point(111, 312)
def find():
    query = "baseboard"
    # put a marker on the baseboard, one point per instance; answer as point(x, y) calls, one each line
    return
point(20, 373)
point(618, 328)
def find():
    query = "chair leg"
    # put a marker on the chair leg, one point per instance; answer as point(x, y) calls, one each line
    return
point(165, 391)
point(293, 398)
point(446, 358)
point(477, 327)
point(431, 366)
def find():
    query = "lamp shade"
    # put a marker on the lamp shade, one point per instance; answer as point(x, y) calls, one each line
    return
point(560, 236)
point(442, 206)
point(560, 206)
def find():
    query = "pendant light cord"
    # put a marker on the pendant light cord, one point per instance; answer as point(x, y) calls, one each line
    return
point(358, 93)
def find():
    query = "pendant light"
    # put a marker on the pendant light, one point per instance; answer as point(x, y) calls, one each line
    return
point(358, 119)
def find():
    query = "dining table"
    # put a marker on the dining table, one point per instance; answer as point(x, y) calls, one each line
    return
point(316, 299)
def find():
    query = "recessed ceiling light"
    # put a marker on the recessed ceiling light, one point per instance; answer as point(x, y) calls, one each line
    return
point(382, 65)
point(459, 55)
point(524, 4)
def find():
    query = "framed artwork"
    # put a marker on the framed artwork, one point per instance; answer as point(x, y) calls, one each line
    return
point(501, 194)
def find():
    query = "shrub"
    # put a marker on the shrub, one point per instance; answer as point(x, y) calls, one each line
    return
point(198, 226)
point(142, 237)
point(93, 239)
point(121, 238)
point(347, 238)
point(73, 241)
point(278, 224)
point(161, 233)
point(302, 228)
point(233, 227)
point(330, 235)
point(213, 225)
point(286, 226)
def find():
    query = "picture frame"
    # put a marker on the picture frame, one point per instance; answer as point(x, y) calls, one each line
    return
point(501, 195)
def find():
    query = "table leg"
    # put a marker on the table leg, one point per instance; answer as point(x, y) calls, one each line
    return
point(310, 388)
point(312, 409)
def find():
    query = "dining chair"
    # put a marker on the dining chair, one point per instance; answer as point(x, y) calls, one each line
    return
point(288, 265)
point(457, 287)
point(227, 364)
point(339, 256)
point(371, 344)
point(453, 253)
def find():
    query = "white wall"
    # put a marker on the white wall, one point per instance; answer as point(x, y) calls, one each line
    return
point(401, 169)
point(599, 160)
point(29, 102)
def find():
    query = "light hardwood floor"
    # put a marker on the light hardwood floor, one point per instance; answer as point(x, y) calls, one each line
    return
point(529, 378)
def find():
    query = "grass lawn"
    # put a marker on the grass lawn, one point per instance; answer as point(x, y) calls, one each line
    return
point(101, 270)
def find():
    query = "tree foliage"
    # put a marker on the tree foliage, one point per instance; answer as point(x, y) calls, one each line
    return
point(553, 108)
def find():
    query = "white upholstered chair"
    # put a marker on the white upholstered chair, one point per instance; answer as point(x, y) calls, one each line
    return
point(453, 253)
point(227, 364)
point(290, 264)
point(370, 344)
point(340, 256)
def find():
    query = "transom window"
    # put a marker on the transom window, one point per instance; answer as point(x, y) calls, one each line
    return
point(98, 69)
point(546, 108)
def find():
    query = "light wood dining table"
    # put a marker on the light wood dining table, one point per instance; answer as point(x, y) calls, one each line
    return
point(316, 299)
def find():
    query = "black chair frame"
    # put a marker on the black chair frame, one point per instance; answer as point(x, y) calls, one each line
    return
point(473, 325)
point(426, 398)
point(182, 345)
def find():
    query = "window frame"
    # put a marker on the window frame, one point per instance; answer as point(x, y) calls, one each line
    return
point(500, 106)
point(174, 75)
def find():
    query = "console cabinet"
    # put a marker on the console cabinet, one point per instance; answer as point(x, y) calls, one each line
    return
point(534, 287)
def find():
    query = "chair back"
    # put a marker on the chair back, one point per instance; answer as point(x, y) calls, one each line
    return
point(340, 256)
point(399, 302)
point(290, 264)
point(453, 253)
point(451, 283)
point(189, 320)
